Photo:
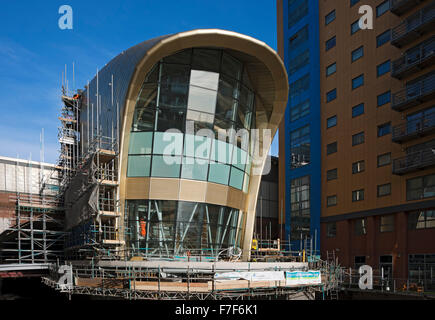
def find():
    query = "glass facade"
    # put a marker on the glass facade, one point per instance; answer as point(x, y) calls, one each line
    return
point(186, 92)
point(300, 208)
point(300, 142)
point(169, 228)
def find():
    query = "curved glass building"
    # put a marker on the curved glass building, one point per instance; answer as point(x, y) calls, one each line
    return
point(191, 114)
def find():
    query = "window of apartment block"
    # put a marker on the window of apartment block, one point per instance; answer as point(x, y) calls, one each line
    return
point(331, 229)
point(298, 38)
point(386, 264)
point(331, 148)
point(384, 98)
point(357, 53)
point(420, 187)
point(386, 223)
point(300, 110)
point(383, 38)
point(354, 27)
point(331, 95)
point(421, 219)
point(353, 2)
point(331, 69)
point(360, 226)
point(300, 142)
point(358, 167)
point(299, 61)
point(358, 110)
point(299, 86)
point(384, 129)
point(359, 261)
point(421, 268)
point(383, 68)
point(297, 10)
point(331, 122)
point(330, 43)
point(358, 195)
point(384, 159)
point(382, 8)
point(331, 201)
point(331, 174)
point(358, 139)
point(358, 81)
point(330, 17)
point(300, 207)
point(384, 190)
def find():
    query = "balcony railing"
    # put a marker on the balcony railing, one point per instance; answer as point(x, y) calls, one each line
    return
point(414, 128)
point(414, 161)
point(415, 93)
point(414, 59)
point(414, 26)
point(400, 7)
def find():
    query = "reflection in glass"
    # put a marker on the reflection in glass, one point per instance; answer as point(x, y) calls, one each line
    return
point(166, 228)
point(193, 89)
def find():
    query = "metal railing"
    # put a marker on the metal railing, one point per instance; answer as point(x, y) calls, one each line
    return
point(414, 92)
point(405, 31)
point(413, 58)
point(416, 127)
point(399, 7)
point(414, 161)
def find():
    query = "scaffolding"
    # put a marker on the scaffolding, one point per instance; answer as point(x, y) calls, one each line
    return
point(102, 234)
point(177, 282)
point(35, 233)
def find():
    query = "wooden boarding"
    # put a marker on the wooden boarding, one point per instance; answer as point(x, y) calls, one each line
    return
point(205, 287)
point(170, 286)
point(99, 282)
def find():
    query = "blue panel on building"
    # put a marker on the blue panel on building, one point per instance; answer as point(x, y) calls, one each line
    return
point(303, 67)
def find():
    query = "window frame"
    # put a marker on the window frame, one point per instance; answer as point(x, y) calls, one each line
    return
point(355, 136)
point(359, 195)
point(354, 108)
point(330, 40)
point(383, 185)
point(359, 163)
point(334, 124)
point(378, 45)
point(327, 22)
point(387, 226)
point(384, 94)
point(335, 177)
point(382, 126)
point(361, 76)
point(328, 94)
point(354, 51)
point(381, 65)
point(385, 11)
point(329, 198)
point(381, 155)
point(335, 69)
point(330, 144)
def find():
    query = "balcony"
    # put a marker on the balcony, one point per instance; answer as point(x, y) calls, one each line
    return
point(414, 59)
point(400, 7)
point(414, 161)
point(414, 26)
point(415, 93)
point(414, 128)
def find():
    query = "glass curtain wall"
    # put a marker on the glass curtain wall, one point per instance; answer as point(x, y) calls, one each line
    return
point(187, 92)
point(170, 228)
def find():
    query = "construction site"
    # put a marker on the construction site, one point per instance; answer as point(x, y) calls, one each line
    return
point(107, 222)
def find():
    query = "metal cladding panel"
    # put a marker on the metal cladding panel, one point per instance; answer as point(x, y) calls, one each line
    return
point(122, 68)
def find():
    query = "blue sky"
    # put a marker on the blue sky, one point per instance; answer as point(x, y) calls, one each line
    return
point(34, 51)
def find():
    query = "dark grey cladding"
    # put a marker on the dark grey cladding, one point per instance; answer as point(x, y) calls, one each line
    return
point(122, 68)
